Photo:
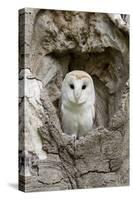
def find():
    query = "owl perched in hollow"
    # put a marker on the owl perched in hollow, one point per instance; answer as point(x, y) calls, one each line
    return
point(77, 103)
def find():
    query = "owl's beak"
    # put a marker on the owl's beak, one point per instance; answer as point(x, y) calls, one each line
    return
point(77, 96)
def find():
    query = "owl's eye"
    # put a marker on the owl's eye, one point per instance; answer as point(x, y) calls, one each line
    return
point(83, 87)
point(72, 86)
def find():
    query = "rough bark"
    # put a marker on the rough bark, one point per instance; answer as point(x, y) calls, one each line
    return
point(55, 43)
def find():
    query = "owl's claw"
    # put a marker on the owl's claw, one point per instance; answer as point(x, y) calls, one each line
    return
point(74, 136)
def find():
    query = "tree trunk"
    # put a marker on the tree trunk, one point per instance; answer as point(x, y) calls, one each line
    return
point(52, 43)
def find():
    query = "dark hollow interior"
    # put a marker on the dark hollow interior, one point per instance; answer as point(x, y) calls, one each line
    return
point(103, 68)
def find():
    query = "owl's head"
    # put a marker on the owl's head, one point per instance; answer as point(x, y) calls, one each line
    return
point(78, 88)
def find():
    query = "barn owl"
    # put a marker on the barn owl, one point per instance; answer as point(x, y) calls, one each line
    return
point(77, 103)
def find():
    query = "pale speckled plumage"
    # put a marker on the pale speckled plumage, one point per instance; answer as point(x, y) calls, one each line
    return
point(77, 104)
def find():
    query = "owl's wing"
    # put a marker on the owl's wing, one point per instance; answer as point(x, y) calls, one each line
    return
point(60, 113)
point(94, 115)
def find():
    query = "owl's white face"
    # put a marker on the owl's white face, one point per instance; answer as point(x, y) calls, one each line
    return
point(78, 88)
